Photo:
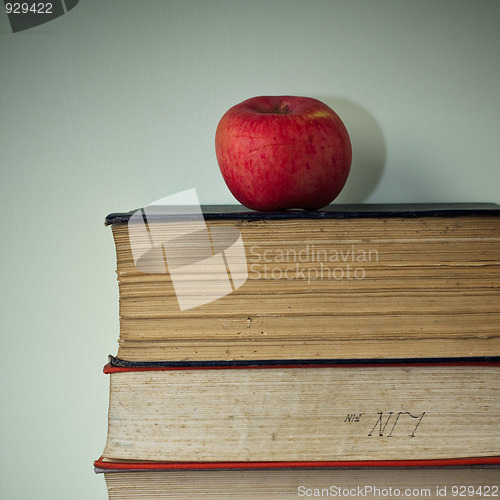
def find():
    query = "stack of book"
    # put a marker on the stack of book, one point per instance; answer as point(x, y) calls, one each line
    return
point(276, 355)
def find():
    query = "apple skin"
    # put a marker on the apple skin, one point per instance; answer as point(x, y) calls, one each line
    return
point(283, 152)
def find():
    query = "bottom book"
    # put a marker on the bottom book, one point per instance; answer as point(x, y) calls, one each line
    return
point(284, 483)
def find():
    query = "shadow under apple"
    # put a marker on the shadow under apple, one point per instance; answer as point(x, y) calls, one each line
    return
point(369, 152)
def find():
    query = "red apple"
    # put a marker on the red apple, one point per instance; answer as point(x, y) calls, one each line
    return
point(281, 152)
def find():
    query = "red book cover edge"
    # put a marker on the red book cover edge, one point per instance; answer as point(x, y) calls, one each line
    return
point(446, 462)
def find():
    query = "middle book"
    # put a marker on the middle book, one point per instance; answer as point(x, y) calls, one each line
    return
point(306, 412)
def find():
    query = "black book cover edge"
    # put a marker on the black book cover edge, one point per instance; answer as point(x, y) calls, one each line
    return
point(283, 363)
point(238, 212)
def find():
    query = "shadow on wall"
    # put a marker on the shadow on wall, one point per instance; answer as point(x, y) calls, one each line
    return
point(369, 151)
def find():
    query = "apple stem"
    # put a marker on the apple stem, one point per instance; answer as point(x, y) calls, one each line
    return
point(281, 109)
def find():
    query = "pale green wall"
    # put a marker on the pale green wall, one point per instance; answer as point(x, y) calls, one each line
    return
point(115, 105)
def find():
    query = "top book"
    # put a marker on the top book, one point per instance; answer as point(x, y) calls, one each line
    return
point(350, 282)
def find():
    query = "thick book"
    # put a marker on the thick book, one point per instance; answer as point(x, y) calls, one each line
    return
point(398, 413)
point(346, 282)
point(286, 483)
